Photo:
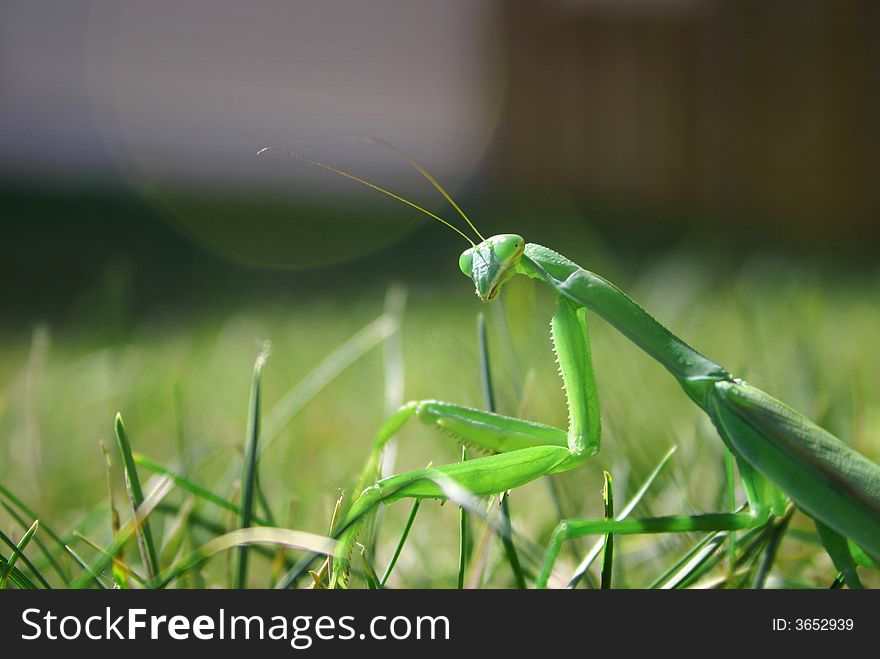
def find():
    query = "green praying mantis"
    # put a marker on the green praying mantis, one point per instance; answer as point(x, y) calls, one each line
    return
point(780, 454)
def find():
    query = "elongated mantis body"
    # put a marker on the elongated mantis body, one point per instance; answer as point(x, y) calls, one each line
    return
point(780, 454)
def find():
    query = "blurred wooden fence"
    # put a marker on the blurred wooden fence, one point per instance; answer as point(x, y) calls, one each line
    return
point(763, 112)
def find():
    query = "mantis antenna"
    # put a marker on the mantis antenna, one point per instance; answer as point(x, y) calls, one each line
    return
point(424, 172)
point(349, 175)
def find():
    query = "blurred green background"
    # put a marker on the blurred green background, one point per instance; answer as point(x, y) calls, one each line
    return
point(718, 160)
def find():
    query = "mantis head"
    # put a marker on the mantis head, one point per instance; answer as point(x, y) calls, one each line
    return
point(492, 262)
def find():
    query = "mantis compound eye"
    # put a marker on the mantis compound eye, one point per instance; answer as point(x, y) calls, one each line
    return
point(508, 248)
point(466, 262)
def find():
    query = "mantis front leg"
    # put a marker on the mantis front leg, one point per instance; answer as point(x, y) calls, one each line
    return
point(525, 450)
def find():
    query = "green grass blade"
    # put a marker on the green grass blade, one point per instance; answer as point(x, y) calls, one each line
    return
point(82, 563)
point(119, 566)
point(189, 486)
point(47, 555)
point(18, 555)
point(28, 512)
point(199, 521)
point(119, 576)
point(462, 536)
point(753, 544)
point(769, 557)
point(692, 561)
point(176, 533)
point(318, 545)
point(510, 550)
point(263, 502)
point(130, 528)
point(730, 484)
point(745, 572)
point(19, 551)
point(401, 542)
point(136, 496)
point(691, 567)
point(623, 514)
point(489, 400)
point(370, 575)
point(608, 551)
point(688, 567)
point(18, 577)
point(249, 474)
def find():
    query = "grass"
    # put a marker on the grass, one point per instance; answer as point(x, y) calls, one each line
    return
point(209, 474)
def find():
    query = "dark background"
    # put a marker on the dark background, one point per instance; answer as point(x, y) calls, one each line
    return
point(127, 154)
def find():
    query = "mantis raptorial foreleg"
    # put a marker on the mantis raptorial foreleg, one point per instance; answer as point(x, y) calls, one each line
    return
point(780, 453)
point(525, 450)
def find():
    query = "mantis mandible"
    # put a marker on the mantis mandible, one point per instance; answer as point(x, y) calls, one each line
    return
point(780, 454)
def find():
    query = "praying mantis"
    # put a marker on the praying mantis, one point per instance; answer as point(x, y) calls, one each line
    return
point(780, 454)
